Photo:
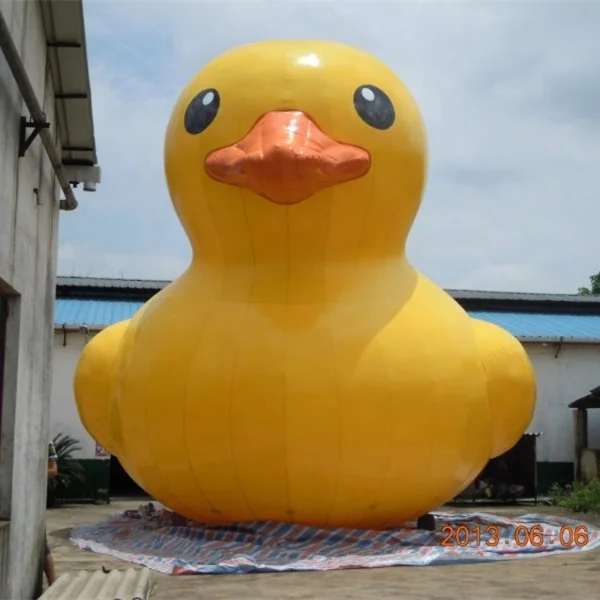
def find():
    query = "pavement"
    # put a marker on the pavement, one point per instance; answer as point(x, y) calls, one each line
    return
point(530, 578)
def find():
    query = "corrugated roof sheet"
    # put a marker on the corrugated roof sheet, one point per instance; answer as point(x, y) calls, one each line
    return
point(523, 325)
point(544, 326)
point(521, 296)
point(93, 313)
point(129, 584)
point(123, 284)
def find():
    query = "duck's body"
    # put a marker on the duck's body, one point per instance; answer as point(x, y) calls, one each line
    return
point(301, 369)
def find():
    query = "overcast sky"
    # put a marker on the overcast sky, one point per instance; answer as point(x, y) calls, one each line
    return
point(510, 95)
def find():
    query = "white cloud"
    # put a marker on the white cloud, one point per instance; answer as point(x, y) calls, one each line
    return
point(510, 93)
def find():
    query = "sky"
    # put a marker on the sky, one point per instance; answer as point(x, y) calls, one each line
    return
point(509, 93)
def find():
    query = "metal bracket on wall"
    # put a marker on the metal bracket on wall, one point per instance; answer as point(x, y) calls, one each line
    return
point(26, 140)
point(559, 346)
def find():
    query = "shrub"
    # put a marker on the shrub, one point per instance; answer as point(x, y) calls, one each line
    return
point(578, 497)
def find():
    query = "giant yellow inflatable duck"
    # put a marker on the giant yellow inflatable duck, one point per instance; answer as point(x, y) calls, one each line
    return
point(301, 369)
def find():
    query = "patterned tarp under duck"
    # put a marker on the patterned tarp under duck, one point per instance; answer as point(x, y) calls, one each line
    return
point(165, 542)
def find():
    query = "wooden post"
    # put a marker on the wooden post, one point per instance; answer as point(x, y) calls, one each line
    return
point(581, 438)
point(535, 471)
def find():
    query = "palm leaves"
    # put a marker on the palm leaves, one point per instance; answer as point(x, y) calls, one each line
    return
point(70, 470)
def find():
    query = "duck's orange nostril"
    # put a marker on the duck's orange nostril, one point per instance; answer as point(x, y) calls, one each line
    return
point(286, 158)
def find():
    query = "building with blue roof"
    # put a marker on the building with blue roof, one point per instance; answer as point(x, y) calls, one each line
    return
point(96, 303)
point(561, 333)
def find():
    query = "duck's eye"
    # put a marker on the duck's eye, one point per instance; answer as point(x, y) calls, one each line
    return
point(374, 107)
point(201, 111)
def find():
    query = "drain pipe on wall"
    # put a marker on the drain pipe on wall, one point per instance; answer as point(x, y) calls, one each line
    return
point(35, 110)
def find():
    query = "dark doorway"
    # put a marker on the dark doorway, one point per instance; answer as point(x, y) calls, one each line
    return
point(121, 485)
point(511, 476)
point(516, 467)
point(3, 320)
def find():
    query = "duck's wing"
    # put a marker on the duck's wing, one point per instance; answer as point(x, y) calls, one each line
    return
point(95, 377)
point(511, 384)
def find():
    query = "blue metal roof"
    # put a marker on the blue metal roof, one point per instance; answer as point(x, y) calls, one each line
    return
point(533, 326)
point(93, 313)
point(523, 325)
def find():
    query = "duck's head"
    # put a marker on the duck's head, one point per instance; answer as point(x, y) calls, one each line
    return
point(296, 138)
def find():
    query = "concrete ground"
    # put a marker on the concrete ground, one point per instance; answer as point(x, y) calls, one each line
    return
point(551, 577)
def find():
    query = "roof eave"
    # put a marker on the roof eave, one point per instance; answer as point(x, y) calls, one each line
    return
point(588, 402)
point(78, 328)
point(557, 340)
point(67, 50)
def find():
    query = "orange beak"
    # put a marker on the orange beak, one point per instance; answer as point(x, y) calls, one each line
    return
point(286, 158)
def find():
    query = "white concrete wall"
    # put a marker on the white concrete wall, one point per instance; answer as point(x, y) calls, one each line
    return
point(64, 417)
point(562, 379)
point(28, 230)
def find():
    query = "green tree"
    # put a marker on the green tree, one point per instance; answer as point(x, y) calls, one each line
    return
point(594, 289)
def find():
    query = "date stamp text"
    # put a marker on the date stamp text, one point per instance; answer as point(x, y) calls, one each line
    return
point(522, 536)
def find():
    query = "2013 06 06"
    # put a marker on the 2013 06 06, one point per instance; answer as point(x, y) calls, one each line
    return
point(489, 535)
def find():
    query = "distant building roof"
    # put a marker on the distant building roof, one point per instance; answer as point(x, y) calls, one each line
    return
point(153, 285)
point(94, 314)
point(544, 327)
point(100, 282)
point(143, 289)
point(97, 314)
point(96, 303)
